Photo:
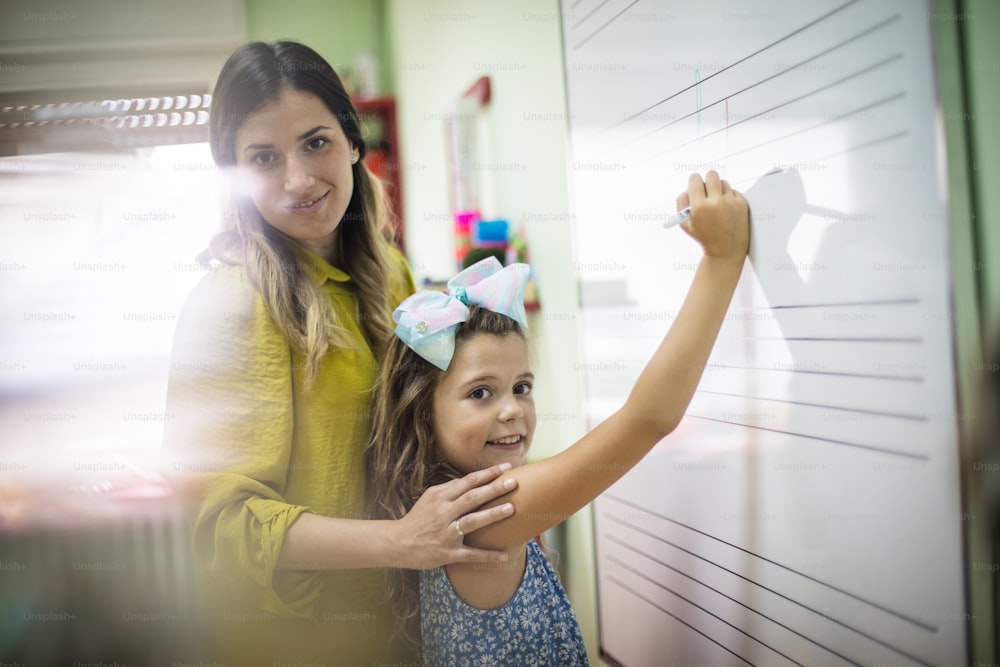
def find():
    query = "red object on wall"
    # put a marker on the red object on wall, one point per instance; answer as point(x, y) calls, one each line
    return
point(378, 118)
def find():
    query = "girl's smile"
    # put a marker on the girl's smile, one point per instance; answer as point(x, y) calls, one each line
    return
point(511, 443)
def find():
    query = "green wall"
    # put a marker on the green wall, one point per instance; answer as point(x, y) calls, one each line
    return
point(337, 29)
point(981, 68)
point(981, 51)
point(968, 61)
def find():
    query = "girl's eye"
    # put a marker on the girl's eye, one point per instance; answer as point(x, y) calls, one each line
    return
point(316, 143)
point(264, 159)
point(480, 393)
point(523, 388)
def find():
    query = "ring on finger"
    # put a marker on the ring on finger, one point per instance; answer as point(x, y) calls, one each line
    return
point(458, 527)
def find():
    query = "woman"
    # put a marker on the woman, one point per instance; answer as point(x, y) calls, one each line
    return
point(274, 355)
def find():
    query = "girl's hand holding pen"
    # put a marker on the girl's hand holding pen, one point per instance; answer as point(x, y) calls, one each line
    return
point(720, 217)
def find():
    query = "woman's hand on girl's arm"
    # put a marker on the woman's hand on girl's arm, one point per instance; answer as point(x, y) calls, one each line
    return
point(426, 537)
point(429, 535)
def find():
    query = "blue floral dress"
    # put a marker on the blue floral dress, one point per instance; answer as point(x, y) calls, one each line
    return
point(536, 627)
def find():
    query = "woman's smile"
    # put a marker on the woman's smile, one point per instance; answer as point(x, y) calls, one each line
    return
point(309, 206)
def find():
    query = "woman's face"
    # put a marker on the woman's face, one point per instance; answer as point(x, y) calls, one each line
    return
point(294, 162)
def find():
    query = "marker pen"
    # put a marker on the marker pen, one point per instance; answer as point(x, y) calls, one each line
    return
point(677, 218)
point(684, 214)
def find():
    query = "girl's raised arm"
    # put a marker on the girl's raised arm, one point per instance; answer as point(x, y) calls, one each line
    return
point(549, 491)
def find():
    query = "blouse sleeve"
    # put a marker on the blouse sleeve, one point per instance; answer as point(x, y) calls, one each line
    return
point(228, 440)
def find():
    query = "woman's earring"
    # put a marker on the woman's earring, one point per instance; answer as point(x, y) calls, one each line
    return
point(354, 158)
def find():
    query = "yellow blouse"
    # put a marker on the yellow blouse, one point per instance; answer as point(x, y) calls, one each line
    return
point(250, 449)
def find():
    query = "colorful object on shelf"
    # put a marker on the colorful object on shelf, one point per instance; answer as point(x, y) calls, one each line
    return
point(517, 248)
point(378, 115)
point(490, 234)
point(463, 233)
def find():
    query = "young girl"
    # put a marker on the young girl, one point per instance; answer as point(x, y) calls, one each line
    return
point(454, 395)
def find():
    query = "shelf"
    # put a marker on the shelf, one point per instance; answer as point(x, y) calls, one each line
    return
point(378, 118)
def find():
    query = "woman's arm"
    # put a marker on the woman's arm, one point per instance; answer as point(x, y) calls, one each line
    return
point(424, 538)
point(550, 490)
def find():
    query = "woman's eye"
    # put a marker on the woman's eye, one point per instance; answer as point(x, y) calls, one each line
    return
point(264, 159)
point(480, 393)
point(316, 143)
point(523, 388)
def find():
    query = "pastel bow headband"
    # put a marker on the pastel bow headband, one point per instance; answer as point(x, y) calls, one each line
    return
point(427, 321)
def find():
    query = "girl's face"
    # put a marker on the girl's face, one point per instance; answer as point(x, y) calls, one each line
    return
point(484, 413)
point(294, 162)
